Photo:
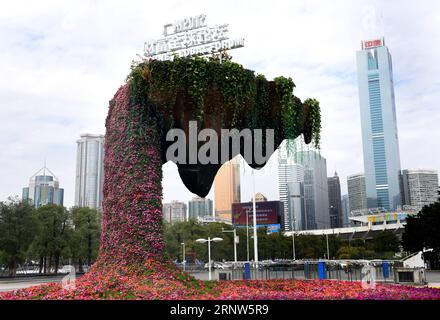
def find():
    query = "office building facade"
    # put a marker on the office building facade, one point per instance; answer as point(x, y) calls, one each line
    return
point(345, 211)
point(315, 191)
point(291, 193)
point(357, 193)
point(89, 171)
point(379, 125)
point(259, 197)
point(199, 208)
point(174, 211)
point(43, 189)
point(420, 187)
point(227, 189)
point(335, 203)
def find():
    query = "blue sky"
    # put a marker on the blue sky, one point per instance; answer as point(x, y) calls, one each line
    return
point(62, 61)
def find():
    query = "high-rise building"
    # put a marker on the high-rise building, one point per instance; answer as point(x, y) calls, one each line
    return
point(291, 193)
point(199, 208)
point(227, 189)
point(43, 189)
point(345, 211)
point(259, 197)
point(174, 212)
point(419, 187)
point(89, 171)
point(335, 204)
point(315, 190)
point(357, 197)
point(379, 125)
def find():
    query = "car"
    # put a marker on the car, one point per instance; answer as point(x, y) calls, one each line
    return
point(217, 265)
point(66, 269)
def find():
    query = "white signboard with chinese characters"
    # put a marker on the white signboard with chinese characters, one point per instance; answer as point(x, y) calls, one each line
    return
point(191, 37)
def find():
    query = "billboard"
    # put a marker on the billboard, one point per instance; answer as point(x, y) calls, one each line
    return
point(268, 212)
point(273, 228)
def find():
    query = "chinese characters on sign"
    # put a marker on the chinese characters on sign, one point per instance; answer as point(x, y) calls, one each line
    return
point(191, 37)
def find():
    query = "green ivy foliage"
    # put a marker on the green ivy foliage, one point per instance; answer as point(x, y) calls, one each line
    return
point(315, 120)
point(246, 100)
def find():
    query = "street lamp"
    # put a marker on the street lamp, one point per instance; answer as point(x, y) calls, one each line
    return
point(247, 236)
point(293, 238)
point(235, 243)
point(209, 240)
point(255, 223)
point(326, 235)
point(184, 258)
point(328, 249)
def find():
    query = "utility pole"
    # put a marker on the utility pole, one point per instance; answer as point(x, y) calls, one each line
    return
point(255, 223)
point(293, 239)
point(209, 240)
point(328, 249)
point(247, 235)
point(183, 256)
point(235, 242)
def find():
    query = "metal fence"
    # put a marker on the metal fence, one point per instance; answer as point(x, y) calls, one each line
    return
point(303, 270)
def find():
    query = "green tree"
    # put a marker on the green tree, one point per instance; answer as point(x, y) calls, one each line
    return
point(17, 231)
point(422, 231)
point(349, 252)
point(53, 237)
point(85, 236)
point(386, 241)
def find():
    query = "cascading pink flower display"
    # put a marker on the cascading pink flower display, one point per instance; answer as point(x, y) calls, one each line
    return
point(169, 284)
point(132, 208)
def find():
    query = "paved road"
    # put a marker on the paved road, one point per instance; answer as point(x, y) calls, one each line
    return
point(14, 284)
point(433, 278)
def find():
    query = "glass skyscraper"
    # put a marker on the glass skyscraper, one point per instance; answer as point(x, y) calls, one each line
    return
point(419, 188)
point(89, 171)
point(291, 194)
point(379, 125)
point(199, 208)
point(174, 211)
point(357, 193)
point(227, 189)
point(334, 199)
point(43, 189)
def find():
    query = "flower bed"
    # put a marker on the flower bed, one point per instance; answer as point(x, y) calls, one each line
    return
point(155, 280)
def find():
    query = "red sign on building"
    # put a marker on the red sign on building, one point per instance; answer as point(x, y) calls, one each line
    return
point(372, 44)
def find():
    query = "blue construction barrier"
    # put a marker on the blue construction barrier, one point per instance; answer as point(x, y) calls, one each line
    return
point(247, 271)
point(386, 269)
point(322, 273)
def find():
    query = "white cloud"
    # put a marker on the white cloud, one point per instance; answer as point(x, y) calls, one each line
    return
point(63, 61)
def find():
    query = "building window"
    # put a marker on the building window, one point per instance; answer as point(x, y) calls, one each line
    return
point(372, 60)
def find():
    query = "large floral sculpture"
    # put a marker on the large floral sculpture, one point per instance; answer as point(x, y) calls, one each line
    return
point(162, 95)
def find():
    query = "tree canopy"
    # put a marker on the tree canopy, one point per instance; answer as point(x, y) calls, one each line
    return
point(423, 230)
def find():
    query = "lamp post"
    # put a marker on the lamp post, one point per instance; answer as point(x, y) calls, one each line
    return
point(328, 249)
point(209, 240)
point(235, 243)
point(184, 258)
point(326, 236)
point(255, 224)
point(247, 236)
